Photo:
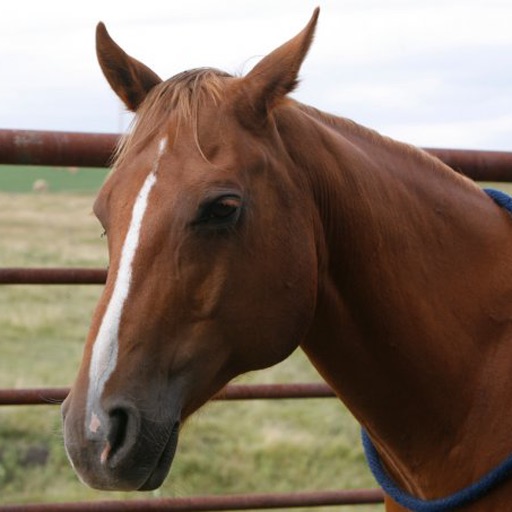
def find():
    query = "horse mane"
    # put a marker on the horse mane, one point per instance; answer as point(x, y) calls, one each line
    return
point(353, 130)
point(182, 96)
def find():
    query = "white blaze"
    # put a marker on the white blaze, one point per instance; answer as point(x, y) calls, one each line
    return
point(105, 348)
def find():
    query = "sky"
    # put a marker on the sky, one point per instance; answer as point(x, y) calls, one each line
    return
point(434, 73)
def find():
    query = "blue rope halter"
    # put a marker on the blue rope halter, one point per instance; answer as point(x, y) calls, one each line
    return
point(463, 497)
point(500, 198)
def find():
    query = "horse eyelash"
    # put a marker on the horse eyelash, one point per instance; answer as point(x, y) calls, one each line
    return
point(103, 234)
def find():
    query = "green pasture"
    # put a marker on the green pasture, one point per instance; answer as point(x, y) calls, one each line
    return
point(29, 178)
point(230, 447)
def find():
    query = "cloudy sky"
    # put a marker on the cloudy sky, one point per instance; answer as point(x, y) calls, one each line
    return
point(433, 73)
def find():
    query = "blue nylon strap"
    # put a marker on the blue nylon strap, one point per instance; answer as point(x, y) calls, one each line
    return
point(500, 198)
point(463, 497)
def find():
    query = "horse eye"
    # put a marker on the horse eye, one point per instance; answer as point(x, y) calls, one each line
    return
point(223, 210)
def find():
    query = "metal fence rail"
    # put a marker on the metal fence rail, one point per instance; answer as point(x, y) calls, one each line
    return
point(54, 396)
point(211, 503)
point(52, 275)
point(32, 147)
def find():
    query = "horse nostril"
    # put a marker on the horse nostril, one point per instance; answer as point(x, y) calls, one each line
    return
point(116, 437)
point(121, 436)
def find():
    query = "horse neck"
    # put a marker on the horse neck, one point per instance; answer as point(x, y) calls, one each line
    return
point(412, 313)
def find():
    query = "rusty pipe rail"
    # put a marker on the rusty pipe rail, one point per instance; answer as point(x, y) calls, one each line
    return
point(13, 275)
point(55, 396)
point(33, 147)
point(477, 165)
point(212, 503)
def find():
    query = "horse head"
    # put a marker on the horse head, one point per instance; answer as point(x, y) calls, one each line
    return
point(212, 259)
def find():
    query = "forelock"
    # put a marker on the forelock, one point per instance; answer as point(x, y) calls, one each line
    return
point(181, 96)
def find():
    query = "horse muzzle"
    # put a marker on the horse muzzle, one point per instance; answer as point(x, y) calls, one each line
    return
point(118, 448)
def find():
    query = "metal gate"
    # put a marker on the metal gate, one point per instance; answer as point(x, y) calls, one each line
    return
point(79, 149)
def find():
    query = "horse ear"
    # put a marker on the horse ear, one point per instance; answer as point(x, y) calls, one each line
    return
point(130, 79)
point(276, 74)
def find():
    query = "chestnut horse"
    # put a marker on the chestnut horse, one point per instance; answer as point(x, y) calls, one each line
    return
point(242, 224)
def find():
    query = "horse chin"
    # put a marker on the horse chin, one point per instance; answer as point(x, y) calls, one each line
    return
point(159, 473)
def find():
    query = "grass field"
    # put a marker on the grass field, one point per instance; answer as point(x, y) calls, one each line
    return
point(230, 447)
point(24, 178)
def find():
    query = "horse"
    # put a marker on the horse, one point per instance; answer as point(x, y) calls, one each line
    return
point(242, 224)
